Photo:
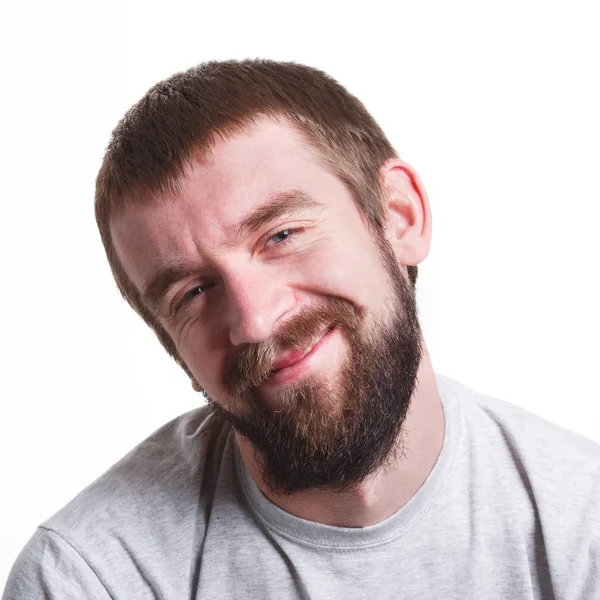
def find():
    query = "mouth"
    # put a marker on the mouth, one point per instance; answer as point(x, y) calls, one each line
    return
point(292, 364)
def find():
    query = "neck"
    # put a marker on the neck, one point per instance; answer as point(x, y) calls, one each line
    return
point(387, 490)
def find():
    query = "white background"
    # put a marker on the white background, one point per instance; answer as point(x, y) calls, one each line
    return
point(495, 104)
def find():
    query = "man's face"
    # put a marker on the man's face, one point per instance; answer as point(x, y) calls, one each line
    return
point(295, 320)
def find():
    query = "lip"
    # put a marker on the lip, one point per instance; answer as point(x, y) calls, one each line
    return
point(297, 363)
point(292, 358)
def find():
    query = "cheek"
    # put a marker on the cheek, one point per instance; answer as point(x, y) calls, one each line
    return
point(351, 270)
point(204, 352)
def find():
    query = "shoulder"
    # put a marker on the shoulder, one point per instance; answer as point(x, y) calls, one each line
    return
point(552, 449)
point(49, 568)
point(160, 475)
point(551, 473)
point(558, 468)
point(138, 515)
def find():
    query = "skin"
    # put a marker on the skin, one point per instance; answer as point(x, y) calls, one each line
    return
point(254, 285)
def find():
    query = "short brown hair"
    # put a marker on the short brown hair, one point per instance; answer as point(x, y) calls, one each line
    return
point(153, 143)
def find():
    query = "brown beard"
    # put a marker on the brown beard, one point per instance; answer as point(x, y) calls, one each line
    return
point(330, 435)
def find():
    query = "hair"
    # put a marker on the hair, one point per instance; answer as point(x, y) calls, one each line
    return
point(157, 139)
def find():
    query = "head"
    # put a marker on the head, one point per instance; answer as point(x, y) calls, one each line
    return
point(195, 178)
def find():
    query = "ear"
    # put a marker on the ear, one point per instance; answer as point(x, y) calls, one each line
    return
point(196, 386)
point(407, 210)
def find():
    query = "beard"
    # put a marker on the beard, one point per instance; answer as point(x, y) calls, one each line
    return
point(329, 434)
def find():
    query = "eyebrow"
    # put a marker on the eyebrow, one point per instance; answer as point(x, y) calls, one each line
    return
point(281, 204)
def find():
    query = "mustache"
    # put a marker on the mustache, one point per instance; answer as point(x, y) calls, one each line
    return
point(254, 364)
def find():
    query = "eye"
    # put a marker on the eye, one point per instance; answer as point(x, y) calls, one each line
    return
point(193, 292)
point(282, 236)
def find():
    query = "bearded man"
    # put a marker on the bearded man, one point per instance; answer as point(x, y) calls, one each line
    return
point(258, 219)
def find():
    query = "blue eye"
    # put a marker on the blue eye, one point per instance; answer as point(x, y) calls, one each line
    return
point(282, 236)
point(193, 292)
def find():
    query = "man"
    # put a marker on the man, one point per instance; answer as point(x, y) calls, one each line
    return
point(257, 218)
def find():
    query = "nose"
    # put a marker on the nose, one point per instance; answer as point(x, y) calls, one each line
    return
point(256, 300)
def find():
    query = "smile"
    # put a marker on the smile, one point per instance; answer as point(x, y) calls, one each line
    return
point(296, 364)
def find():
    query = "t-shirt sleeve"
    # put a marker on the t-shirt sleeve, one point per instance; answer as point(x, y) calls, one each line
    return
point(49, 568)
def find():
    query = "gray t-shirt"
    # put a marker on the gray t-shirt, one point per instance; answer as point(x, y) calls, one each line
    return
point(510, 510)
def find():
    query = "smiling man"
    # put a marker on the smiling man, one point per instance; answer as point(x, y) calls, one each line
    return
point(256, 216)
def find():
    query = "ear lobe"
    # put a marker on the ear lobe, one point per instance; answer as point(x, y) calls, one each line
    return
point(196, 386)
point(408, 214)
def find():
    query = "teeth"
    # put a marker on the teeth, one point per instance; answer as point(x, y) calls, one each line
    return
point(309, 348)
point(315, 342)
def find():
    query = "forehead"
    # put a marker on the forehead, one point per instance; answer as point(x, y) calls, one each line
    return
point(242, 169)
point(219, 189)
